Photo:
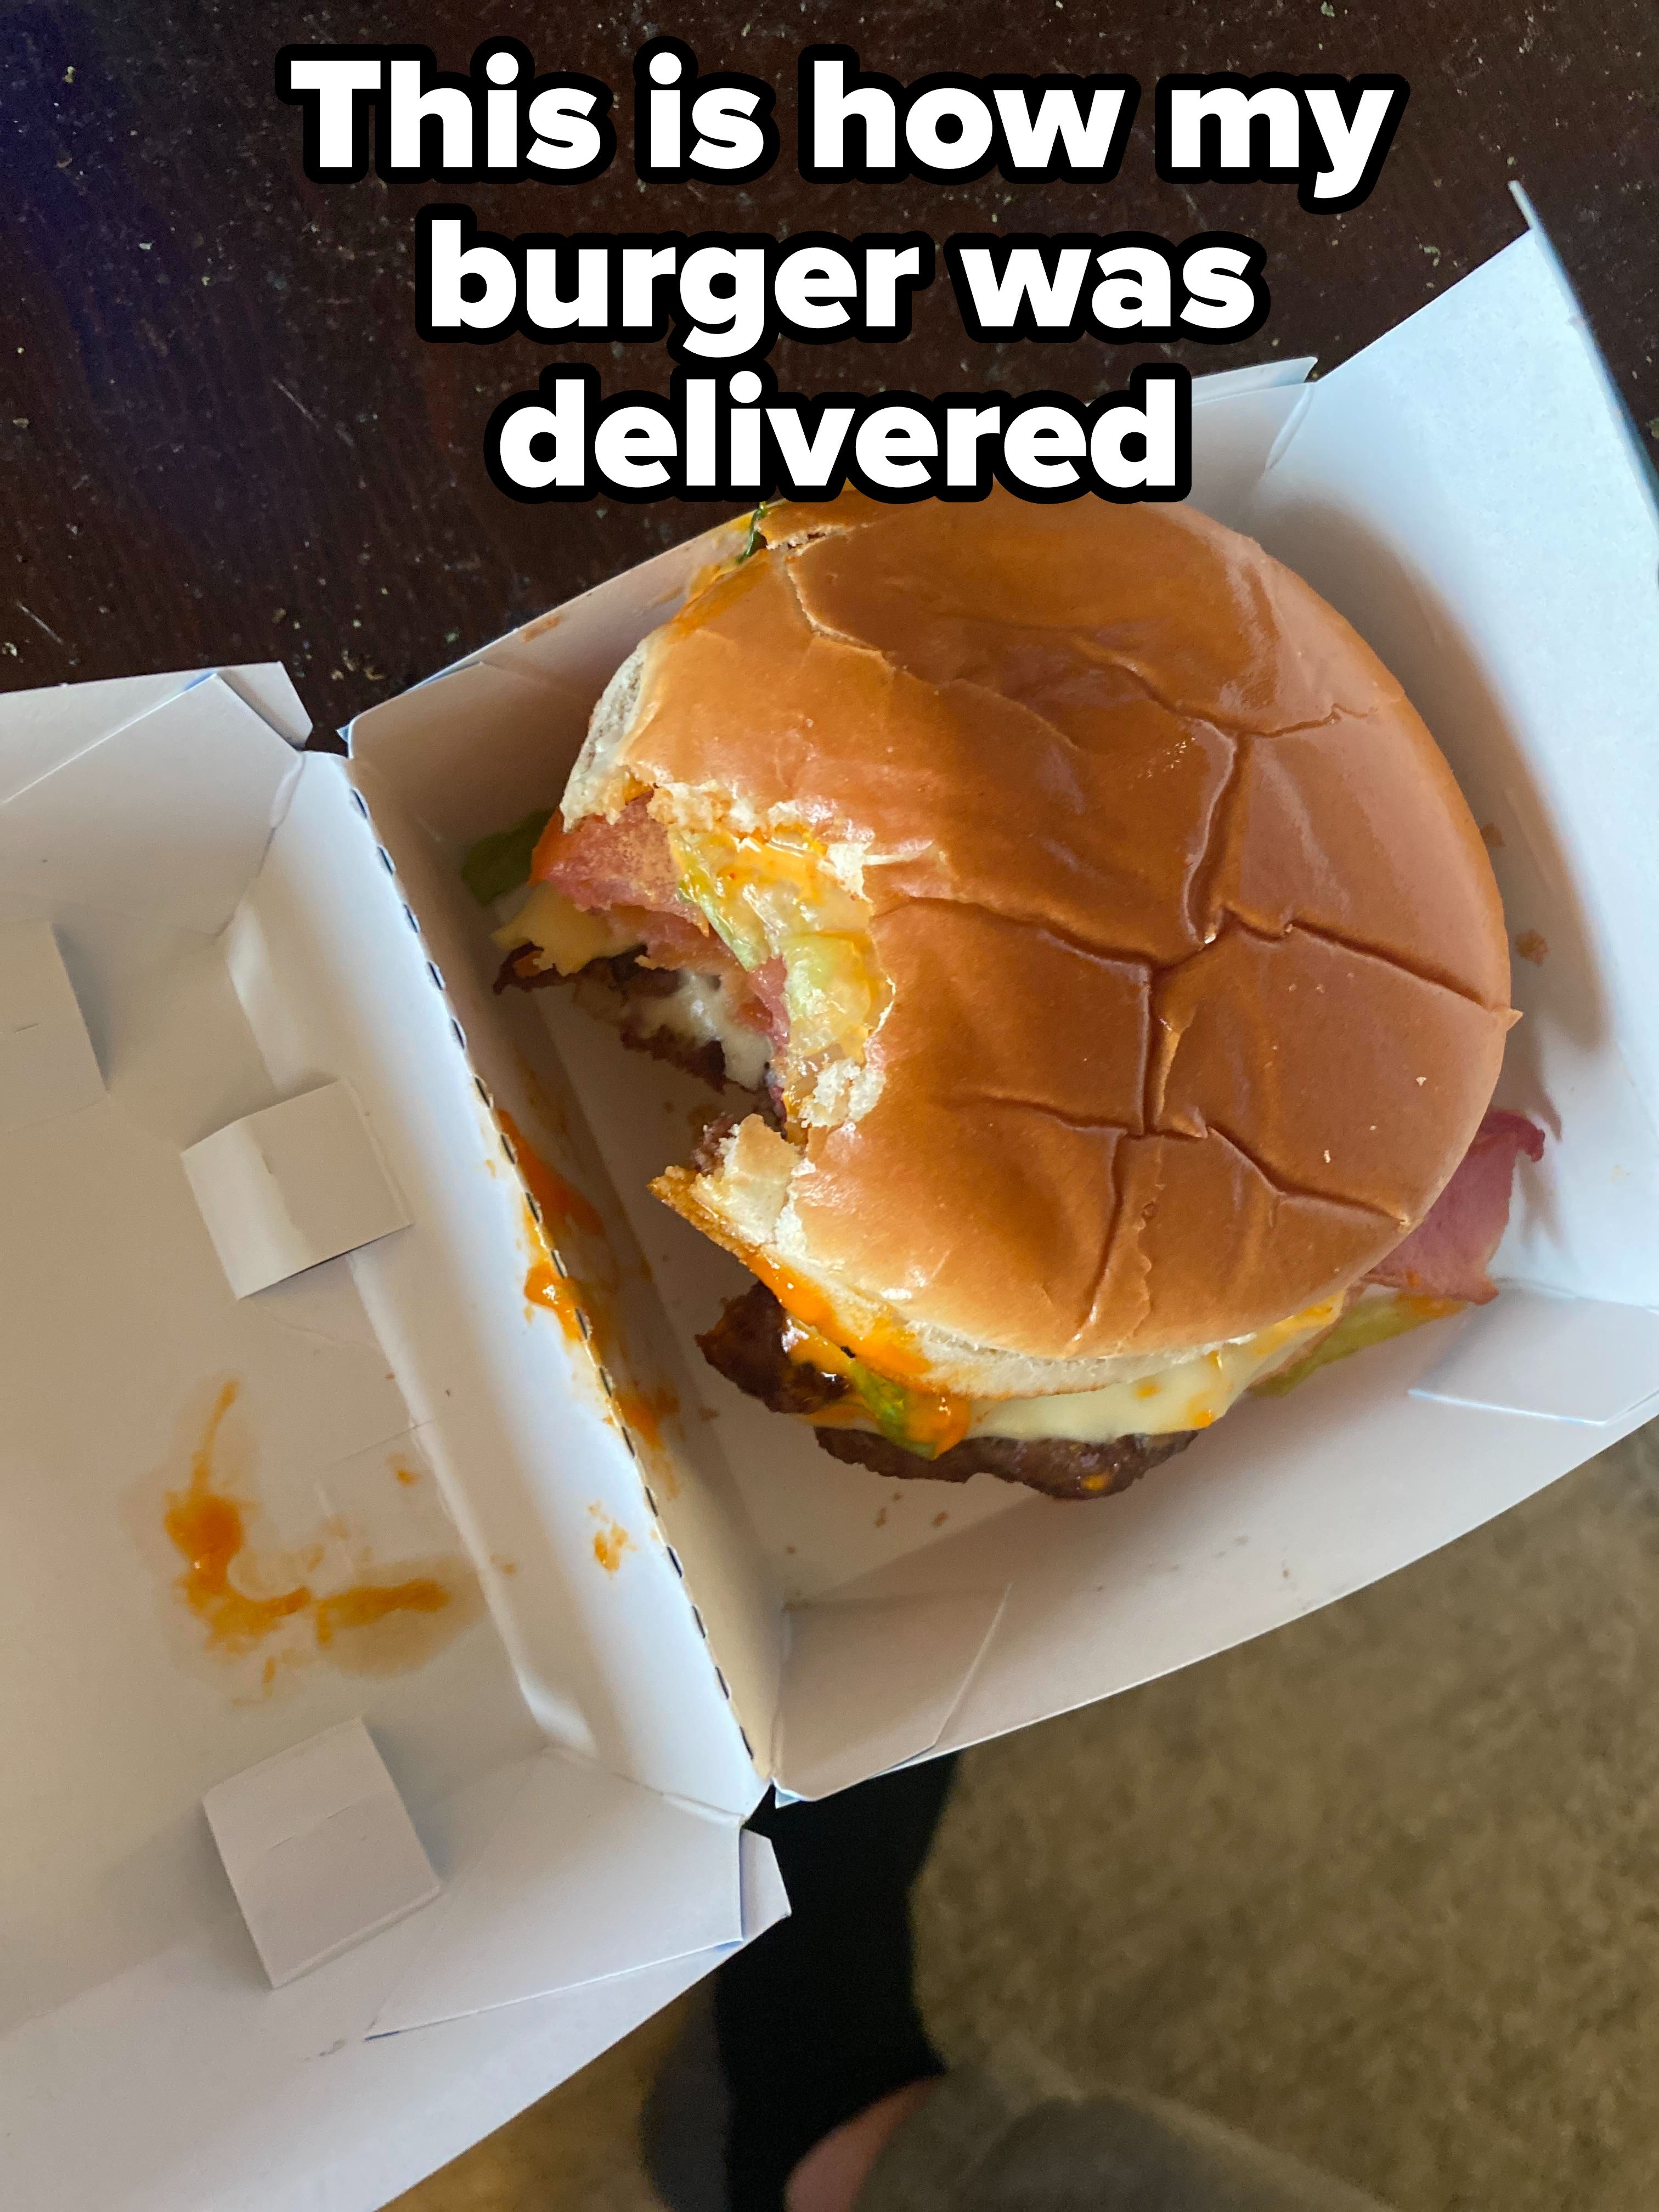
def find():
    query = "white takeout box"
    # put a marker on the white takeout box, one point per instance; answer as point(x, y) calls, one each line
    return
point(686, 1598)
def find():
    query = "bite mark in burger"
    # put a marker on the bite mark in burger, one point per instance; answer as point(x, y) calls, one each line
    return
point(1120, 967)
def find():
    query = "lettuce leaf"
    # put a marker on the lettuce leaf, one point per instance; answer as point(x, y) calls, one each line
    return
point(1373, 1321)
point(500, 862)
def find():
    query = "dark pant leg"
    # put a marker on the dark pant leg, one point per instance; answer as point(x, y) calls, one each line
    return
point(818, 2019)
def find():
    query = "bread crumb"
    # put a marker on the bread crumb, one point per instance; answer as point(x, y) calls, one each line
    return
point(940, 1520)
point(1420, 1080)
point(881, 1518)
point(1532, 944)
point(1491, 836)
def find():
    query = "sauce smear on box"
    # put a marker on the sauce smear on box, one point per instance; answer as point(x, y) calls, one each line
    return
point(579, 1306)
point(208, 1527)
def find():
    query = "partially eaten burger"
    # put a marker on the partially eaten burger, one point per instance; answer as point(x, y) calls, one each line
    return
point(1112, 976)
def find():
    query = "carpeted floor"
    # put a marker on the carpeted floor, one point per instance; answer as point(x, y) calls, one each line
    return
point(1381, 1888)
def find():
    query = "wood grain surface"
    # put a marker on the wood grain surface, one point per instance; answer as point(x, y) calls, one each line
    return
point(223, 439)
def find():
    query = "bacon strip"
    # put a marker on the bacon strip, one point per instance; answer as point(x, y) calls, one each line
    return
point(1447, 1254)
point(601, 865)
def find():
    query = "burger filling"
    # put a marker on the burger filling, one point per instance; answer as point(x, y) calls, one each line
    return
point(797, 1370)
point(743, 950)
point(767, 938)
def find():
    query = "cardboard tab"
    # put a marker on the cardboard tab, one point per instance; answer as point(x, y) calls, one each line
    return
point(47, 1064)
point(765, 1899)
point(287, 1189)
point(1556, 1359)
point(838, 1723)
point(320, 1848)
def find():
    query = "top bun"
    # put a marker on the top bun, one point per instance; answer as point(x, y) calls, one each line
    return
point(1196, 973)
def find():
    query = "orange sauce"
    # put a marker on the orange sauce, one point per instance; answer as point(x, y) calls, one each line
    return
point(209, 1528)
point(547, 847)
point(611, 1541)
point(646, 1412)
point(364, 1604)
point(573, 1302)
point(562, 1206)
point(408, 1476)
point(543, 1285)
point(889, 1347)
point(932, 1417)
point(713, 589)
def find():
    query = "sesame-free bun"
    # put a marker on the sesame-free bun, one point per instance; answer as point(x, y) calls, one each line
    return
point(1198, 978)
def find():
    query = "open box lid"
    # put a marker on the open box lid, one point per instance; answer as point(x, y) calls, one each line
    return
point(1466, 492)
point(236, 1522)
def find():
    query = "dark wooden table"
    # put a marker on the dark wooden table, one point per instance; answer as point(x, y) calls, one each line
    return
point(223, 439)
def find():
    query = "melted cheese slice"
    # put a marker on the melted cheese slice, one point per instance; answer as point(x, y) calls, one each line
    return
point(564, 936)
point(1189, 1395)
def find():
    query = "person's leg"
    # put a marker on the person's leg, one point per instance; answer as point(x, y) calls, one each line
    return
point(977, 2143)
point(817, 2021)
point(809, 2084)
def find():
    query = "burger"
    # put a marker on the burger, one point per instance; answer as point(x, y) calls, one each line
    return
point(1106, 969)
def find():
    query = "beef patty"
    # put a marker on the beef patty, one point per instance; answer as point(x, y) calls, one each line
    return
point(1059, 1467)
point(747, 1346)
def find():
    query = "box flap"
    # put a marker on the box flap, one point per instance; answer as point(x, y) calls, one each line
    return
point(838, 1721)
point(45, 729)
point(765, 1900)
point(1260, 376)
point(47, 1064)
point(226, 1530)
point(1556, 1359)
point(584, 1876)
point(164, 820)
point(1295, 1502)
